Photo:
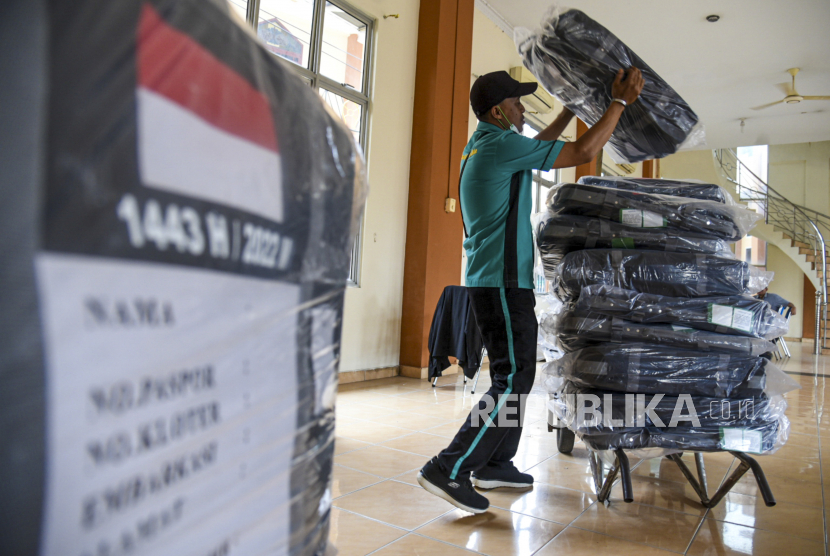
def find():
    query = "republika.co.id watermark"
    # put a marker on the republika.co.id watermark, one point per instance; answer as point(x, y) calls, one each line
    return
point(590, 410)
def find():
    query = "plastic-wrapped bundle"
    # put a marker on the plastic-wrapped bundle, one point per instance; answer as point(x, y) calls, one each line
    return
point(575, 332)
point(646, 210)
point(733, 314)
point(656, 272)
point(607, 420)
point(759, 438)
point(655, 369)
point(692, 189)
point(559, 235)
point(176, 246)
point(576, 59)
point(547, 308)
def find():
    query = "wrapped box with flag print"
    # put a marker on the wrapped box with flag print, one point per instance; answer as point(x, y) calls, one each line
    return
point(177, 224)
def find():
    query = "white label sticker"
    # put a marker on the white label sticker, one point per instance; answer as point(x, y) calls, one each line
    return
point(171, 408)
point(742, 320)
point(653, 220)
point(720, 315)
point(741, 440)
point(631, 217)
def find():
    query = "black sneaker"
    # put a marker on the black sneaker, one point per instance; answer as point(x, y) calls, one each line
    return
point(457, 492)
point(504, 476)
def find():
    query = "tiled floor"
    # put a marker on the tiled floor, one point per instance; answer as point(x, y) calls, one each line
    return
point(388, 428)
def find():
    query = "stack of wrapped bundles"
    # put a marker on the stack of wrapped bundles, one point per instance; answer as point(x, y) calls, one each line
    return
point(178, 227)
point(664, 345)
point(576, 59)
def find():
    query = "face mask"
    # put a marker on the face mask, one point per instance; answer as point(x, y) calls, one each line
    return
point(512, 127)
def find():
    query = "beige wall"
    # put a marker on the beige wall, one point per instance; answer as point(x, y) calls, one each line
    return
point(372, 320)
point(697, 165)
point(801, 173)
point(788, 283)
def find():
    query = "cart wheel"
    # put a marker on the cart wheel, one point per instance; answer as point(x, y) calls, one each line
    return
point(565, 440)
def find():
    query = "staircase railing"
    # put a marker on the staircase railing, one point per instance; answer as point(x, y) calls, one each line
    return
point(802, 224)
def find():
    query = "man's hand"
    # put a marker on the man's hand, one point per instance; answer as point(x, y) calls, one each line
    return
point(627, 86)
point(792, 308)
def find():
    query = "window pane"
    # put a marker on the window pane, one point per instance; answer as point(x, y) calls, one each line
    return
point(240, 7)
point(285, 27)
point(551, 176)
point(348, 111)
point(344, 47)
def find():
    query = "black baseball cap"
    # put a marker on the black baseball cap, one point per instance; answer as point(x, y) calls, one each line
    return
point(492, 88)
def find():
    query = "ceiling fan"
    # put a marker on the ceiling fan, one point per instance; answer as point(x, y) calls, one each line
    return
point(792, 95)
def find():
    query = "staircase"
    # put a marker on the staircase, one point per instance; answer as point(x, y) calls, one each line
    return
point(798, 231)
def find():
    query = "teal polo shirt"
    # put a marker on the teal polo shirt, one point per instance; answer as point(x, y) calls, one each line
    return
point(496, 200)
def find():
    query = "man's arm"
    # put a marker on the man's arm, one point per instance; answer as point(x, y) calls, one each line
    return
point(555, 129)
point(588, 146)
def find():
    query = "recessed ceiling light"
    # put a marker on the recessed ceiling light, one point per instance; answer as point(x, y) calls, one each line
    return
point(712, 18)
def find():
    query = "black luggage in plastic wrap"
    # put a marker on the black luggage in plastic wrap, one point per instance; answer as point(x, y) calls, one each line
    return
point(732, 314)
point(655, 369)
point(576, 59)
point(646, 210)
point(756, 438)
point(575, 330)
point(177, 226)
point(556, 236)
point(656, 272)
point(685, 422)
point(691, 189)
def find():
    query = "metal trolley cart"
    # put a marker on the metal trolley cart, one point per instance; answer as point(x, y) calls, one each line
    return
point(605, 476)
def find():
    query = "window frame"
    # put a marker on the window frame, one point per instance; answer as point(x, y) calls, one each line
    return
point(318, 81)
point(538, 180)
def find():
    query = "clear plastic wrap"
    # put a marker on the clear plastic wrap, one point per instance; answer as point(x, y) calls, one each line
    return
point(576, 59)
point(646, 210)
point(577, 330)
point(556, 236)
point(547, 308)
point(734, 314)
point(692, 189)
point(654, 369)
point(656, 272)
point(187, 245)
point(608, 420)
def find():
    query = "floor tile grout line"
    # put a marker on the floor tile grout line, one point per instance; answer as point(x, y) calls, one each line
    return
point(580, 514)
point(572, 524)
point(396, 426)
point(361, 471)
point(390, 448)
point(709, 511)
point(413, 533)
point(697, 530)
point(626, 540)
point(372, 443)
point(373, 519)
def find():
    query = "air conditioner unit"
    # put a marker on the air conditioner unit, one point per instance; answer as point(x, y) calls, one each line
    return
point(618, 169)
point(541, 101)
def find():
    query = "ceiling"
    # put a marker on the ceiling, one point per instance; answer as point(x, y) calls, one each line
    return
point(721, 69)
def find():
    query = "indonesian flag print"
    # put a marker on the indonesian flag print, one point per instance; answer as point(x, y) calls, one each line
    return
point(203, 130)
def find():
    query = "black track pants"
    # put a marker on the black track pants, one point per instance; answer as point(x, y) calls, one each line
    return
point(491, 433)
